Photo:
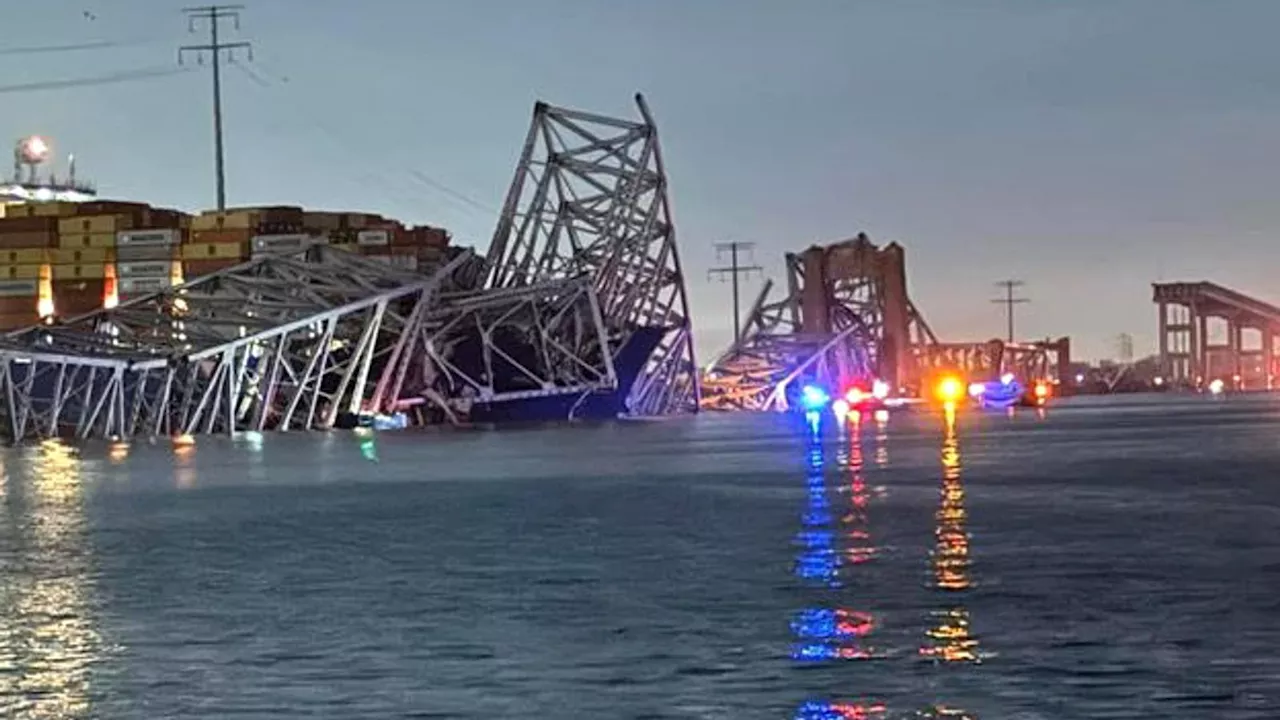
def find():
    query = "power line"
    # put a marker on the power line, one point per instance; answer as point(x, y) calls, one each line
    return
point(213, 15)
point(259, 77)
point(1009, 301)
point(402, 192)
point(126, 76)
point(733, 271)
point(73, 47)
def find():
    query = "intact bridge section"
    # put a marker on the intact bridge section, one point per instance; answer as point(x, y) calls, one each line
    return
point(1209, 332)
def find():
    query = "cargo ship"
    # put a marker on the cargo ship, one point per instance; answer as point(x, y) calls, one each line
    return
point(65, 252)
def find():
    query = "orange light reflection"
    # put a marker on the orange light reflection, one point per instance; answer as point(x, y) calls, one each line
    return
point(950, 639)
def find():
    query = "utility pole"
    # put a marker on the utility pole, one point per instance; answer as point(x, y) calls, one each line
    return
point(214, 15)
point(1009, 301)
point(733, 271)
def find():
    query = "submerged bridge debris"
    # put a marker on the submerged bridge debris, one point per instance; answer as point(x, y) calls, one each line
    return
point(579, 308)
point(845, 316)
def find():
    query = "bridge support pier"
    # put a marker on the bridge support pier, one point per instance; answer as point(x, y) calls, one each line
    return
point(1268, 356)
point(1186, 354)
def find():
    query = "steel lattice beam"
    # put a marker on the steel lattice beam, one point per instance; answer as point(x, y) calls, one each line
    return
point(845, 316)
point(589, 198)
point(282, 342)
point(495, 346)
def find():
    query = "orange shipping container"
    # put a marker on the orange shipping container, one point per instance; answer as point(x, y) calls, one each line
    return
point(423, 236)
point(22, 256)
point(86, 286)
point(242, 235)
point(87, 240)
point(28, 239)
point(322, 221)
point(229, 220)
point(19, 320)
point(65, 255)
point(360, 221)
point(95, 224)
point(18, 304)
point(214, 251)
point(111, 207)
point(26, 271)
point(78, 303)
point(54, 209)
point(40, 209)
point(196, 268)
point(86, 271)
point(28, 224)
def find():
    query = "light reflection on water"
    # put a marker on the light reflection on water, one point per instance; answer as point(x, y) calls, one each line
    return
point(648, 570)
point(49, 639)
point(834, 633)
point(950, 640)
point(830, 630)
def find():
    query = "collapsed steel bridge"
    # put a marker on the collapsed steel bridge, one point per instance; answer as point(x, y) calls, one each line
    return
point(579, 306)
point(845, 315)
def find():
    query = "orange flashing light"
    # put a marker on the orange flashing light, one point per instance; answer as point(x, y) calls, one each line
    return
point(1042, 393)
point(950, 390)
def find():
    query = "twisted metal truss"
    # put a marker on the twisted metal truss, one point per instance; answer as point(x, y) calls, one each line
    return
point(589, 198)
point(280, 342)
point(1031, 361)
point(535, 341)
point(832, 327)
point(758, 372)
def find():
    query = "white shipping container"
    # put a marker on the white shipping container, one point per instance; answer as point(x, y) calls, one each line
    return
point(373, 238)
point(135, 253)
point(280, 243)
point(161, 237)
point(404, 262)
point(19, 288)
point(142, 285)
point(143, 269)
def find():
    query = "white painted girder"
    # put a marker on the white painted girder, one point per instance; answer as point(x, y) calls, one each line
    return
point(276, 343)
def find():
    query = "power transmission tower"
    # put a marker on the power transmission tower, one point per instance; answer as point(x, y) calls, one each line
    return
point(1125, 345)
point(214, 15)
point(1009, 301)
point(733, 271)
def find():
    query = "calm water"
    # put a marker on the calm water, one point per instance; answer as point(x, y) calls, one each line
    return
point(1098, 562)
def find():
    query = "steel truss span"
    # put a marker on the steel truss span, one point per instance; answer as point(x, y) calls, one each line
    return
point(279, 343)
point(590, 198)
point(845, 317)
point(486, 347)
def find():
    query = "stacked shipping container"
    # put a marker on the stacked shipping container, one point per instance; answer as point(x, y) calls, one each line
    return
point(67, 259)
point(25, 240)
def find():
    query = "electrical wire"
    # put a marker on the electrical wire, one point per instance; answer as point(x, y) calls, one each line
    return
point(74, 47)
point(120, 77)
point(397, 192)
point(414, 174)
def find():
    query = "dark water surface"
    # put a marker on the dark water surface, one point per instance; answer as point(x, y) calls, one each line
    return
point(1098, 562)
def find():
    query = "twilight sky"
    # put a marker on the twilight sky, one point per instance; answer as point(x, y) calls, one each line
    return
point(1088, 147)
